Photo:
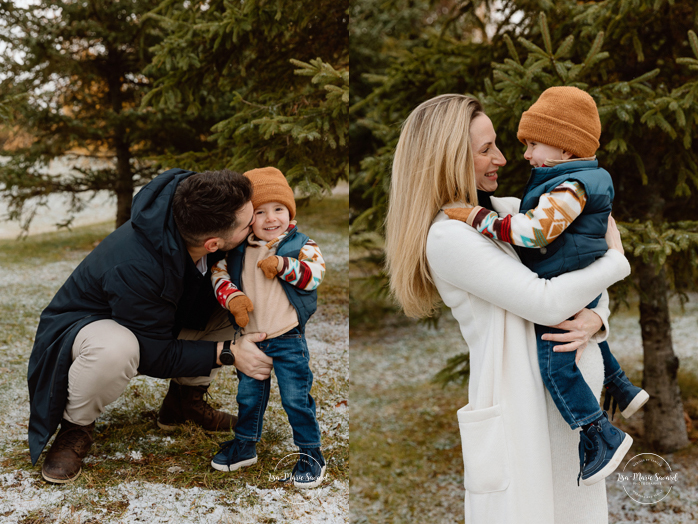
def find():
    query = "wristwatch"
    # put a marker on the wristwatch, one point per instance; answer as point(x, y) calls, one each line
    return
point(227, 357)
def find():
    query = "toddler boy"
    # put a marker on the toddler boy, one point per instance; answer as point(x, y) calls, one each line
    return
point(269, 283)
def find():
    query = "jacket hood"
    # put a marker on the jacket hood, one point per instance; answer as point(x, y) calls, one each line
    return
point(151, 216)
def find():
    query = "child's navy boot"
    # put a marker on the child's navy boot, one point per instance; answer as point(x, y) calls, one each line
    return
point(235, 454)
point(310, 468)
point(601, 450)
point(628, 397)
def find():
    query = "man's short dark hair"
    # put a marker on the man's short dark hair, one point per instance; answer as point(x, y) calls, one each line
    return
point(206, 204)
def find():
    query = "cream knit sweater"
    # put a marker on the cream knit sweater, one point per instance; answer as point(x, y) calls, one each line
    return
point(520, 457)
point(273, 313)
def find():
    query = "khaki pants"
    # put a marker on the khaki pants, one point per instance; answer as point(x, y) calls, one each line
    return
point(106, 357)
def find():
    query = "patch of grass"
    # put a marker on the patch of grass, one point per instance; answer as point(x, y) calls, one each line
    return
point(329, 215)
point(52, 247)
point(404, 448)
point(324, 220)
point(35, 517)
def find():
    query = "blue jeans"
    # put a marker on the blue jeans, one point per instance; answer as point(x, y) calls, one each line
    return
point(290, 354)
point(561, 376)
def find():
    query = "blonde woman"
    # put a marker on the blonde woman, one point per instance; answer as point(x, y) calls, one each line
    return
point(520, 457)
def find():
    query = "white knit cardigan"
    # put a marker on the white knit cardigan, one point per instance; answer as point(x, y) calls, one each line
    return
point(520, 457)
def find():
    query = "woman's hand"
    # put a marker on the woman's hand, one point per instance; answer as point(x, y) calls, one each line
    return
point(580, 329)
point(613, 236)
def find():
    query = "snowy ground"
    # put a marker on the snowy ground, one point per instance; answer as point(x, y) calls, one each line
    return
point(160, 503)
point(26, 288)
point(420, 475)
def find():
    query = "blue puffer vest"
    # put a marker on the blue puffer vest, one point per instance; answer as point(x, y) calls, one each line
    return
point(584, 239)
point(304, 302)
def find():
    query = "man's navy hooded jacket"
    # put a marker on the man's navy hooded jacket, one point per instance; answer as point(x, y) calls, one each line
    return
point(140, 276)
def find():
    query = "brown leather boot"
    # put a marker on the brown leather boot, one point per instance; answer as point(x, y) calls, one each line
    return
point(63, 462)
point(186, 404)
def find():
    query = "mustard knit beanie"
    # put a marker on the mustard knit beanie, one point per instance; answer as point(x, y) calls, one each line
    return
point(270, 185)
point(564, 117)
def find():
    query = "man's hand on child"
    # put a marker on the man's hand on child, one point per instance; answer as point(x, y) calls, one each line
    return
point(251, 360)
point(240, 306)
point(270, 266)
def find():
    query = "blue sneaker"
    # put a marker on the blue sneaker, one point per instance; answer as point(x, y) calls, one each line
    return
point(310, 468)
point(235, 454)
point(628, 397)
point(601, 450)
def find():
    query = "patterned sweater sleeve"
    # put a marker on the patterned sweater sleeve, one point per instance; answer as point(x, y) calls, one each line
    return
point(537, 227)
point(305, 272)
point(222, 285)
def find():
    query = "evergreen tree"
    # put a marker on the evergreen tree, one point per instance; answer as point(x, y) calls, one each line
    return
point(280, 70)
point(638, 60)
point(74, 73)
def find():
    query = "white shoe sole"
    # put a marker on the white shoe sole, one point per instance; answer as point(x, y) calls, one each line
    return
point(59, 481)
point(167, 427)
point(233, 467)
point(613, 463)
point(314, 484)
point(640, 400)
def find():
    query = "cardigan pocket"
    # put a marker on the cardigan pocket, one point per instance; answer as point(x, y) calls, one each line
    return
point(485, 456)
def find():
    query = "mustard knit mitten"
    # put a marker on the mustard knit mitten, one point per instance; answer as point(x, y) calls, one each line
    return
point(270, 266)
point(463, 213)
point(239, 306)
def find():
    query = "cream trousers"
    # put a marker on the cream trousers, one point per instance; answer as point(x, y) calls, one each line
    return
point(106, 357)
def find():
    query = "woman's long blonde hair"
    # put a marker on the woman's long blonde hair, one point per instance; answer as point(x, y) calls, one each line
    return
point(433, 166)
